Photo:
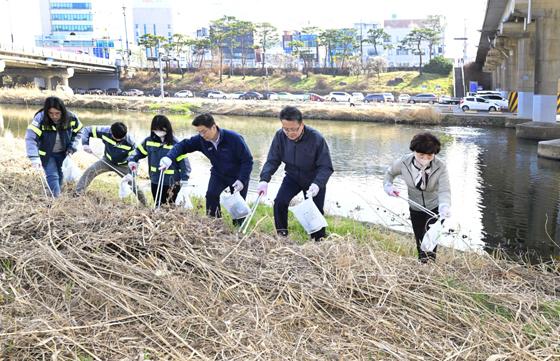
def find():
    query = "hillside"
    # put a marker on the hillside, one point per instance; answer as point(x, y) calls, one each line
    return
point(412, 83)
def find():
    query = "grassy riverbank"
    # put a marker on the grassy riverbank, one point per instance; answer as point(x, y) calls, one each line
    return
point(93, 278)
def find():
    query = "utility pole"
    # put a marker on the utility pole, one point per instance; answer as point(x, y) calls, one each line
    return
point(126, 36)
point(11, 24)
point(162, 95)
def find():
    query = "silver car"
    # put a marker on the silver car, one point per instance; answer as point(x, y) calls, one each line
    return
point(423, 98)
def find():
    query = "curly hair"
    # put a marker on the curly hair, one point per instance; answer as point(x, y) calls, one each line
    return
point(426, 143)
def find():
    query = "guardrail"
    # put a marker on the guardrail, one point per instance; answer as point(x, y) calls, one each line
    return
point(54, 54)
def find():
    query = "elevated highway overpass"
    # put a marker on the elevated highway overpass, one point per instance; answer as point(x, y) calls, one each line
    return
point(56, 67)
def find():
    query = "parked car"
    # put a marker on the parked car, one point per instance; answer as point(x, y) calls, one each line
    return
point(487, 92)
point(446, 99)
point(503, 103)
point(133, 92)
point(301, 97)
point(156, 92)
point(478, 103)
point(268, 95)
point(283, 96)
point(184, 94)
point(404, 98)
point(316, 97)
point(374, 98)
point(251, 95)
point(113, 91)
point(217, 94)
point(389, 97)
point(423, 98)
point(358, 97)
point(80, 91)
point(339, 97)
point(236, 95)
point(95, 91)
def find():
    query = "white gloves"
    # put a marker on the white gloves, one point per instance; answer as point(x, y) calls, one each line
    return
point(133, 166)
point(237, 186)
point(312, 191)
point(165, 163)
point(444, 211)
point(127, 179)
point(262, 188)
point(36, 163)
point(87, 148)
point(390, 190)
point(183, 183)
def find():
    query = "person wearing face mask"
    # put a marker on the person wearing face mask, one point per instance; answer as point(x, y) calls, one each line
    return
point(155, 147)
point(118, 145)
point(427, 182)
point(231, 159)
point(53, 134)
point(308, 167)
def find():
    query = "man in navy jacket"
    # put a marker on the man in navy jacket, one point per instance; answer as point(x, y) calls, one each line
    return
point(229, 155)
point(308, 167)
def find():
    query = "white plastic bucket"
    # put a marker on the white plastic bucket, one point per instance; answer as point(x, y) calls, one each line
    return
point(235, 205)
point(308, 216)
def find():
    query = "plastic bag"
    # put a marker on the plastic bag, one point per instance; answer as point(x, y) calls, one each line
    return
point(235, 205)
point(309, 216)
point(183, 199)
point(439, 234)
point(125, 188)
point(70, 171)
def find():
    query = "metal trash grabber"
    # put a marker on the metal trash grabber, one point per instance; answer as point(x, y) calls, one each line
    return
point(245, 224)
point(45, 185)
point(133, 173)
point(159, 190)
point(429, 212)
point(109, 165)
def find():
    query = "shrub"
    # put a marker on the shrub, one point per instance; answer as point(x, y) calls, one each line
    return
point(439, 65)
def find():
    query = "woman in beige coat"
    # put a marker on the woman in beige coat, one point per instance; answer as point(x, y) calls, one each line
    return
point(427, 183)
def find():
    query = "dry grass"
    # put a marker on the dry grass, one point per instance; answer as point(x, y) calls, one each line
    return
point(94, 279)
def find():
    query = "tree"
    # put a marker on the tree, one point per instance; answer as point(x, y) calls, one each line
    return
point(328, 38)
point(199, 48)
point(376, 65)
point(152, 42)
point(413, 42)
point(178, 46)
point(378, 37)
point(219, 32)
point(240, 30)
point(300, 51)
point(346, 40)
point(435, 27)
point(266, 35)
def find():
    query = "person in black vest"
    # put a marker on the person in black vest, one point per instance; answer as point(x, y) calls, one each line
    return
point(119, 145)
point(229, 155)
point(308, 167)
point(53, 134)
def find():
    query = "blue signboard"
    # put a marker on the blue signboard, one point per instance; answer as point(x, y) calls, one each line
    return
point(473, 86)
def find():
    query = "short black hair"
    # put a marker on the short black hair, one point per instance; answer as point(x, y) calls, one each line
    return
point(118, 130)
point(426, 143)
point(205, 119)
point(291, 113)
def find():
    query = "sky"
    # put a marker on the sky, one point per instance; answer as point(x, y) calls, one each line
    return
point(22, 18)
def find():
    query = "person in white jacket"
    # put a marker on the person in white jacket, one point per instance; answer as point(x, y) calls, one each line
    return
point(427, 183)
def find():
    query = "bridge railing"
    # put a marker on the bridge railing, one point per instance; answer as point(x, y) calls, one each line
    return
point(54, 54)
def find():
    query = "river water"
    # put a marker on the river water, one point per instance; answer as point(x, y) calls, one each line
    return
point(503, 195)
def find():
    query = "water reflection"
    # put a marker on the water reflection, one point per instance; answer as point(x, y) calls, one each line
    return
point(502, 193)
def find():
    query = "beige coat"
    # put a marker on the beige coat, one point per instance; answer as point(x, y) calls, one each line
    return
point(437, 191)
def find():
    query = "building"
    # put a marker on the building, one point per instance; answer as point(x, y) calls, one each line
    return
point(310, 45)
point(398, 30)
point(362, 30)
point(70, 26)
point(152, 17)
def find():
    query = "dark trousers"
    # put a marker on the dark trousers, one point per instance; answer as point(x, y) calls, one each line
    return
point(216, 186)
point(288, 190)
point(168, 194)
point(420, 224)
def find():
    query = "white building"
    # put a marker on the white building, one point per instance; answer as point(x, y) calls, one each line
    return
point(362, 29)
point(398, 30)
point(152, 17)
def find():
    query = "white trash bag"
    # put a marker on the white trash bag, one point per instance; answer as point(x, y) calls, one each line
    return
point(440, 234)
point(309, 216)
point(70, 171)
point(125, 188)
point(235, 205)
point(183, 199)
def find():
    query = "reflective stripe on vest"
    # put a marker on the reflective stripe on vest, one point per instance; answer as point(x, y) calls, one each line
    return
point(141, 149)
point(181, 157)
point(42, 152)
point(94, 132)
point(78, 128)
point(149, 143)
point(114, 143)
point(168, 171)
point(35, 129)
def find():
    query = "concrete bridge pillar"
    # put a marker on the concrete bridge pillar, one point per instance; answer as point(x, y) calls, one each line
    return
point(48, 82)
point(525, 76)
point(511, 63)
point(547, 66)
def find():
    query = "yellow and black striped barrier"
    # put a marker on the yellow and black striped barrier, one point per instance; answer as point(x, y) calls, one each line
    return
point(558, 103)
point(512, 102)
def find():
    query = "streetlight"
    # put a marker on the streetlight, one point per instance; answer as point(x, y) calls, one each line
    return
point(126, 36)
point(11, 24)
point(160, 72)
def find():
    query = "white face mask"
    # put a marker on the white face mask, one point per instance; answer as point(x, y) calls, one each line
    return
point(160, 133)
point(421, 161)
